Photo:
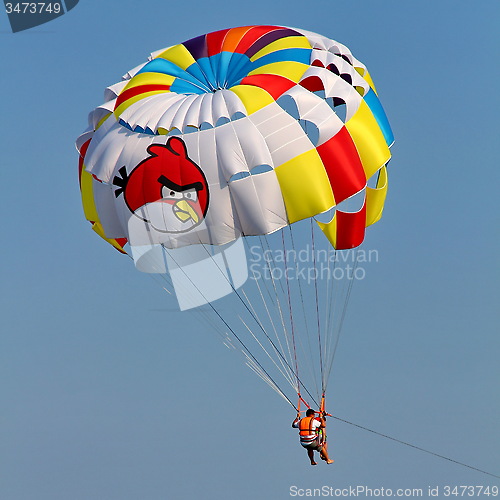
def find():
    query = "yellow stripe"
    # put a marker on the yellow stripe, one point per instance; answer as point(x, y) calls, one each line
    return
point(124, 105)
point(289, 42)
point(292, 70)
point(253, 98)
point(375, 198)
point(361, 71)
point(330, 230)
point(305, 186)
point(368, 79)
point(149, 79)
point(179, 55)
point(97, 227)
point(360, 90)
point(102, 120)
point(369, 140)
point(89, 208)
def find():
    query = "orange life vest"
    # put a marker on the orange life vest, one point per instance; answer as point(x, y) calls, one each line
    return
point(305, 426)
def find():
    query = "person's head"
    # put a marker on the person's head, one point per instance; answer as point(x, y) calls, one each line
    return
point(310, 413)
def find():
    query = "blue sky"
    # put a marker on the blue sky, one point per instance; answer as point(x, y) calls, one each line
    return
point(108, 393)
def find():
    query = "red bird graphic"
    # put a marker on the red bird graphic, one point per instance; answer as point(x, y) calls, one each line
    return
point(167, 189)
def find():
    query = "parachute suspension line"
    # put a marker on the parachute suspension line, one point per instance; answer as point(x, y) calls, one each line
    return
point(306, 325)
point(153, 275)
point(251, 364)
point(278, 303)
point(246, 350)
point(271, 265)
point(414, 446)
point(162, 278)
point(330, 302)
point(320, 345)
point(271, 262)
point(202, 315)
point(251, 314)
point(286, 375)
point(291, 314)
point(344, 310)
point(289, 372)
point(275, 297)
point(272, 259)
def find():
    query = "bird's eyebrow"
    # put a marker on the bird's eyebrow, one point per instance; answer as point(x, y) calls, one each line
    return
point(165, 181)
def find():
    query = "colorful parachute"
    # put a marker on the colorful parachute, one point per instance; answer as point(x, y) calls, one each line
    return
point(238, 133)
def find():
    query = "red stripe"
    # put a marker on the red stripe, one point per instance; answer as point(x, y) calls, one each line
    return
point(342, 164)
point(215, 41)
point(313, 83)
point(83, 151)
point(273, 84)
point(121, 242)
point(140, 89)
point(350, 228)
point(252, 35)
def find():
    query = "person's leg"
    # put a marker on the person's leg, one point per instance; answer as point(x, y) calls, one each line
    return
point(310, 454)
point(323, 453)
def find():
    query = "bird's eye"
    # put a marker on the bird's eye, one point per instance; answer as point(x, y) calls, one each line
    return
point(191, 195)
point(170, 194)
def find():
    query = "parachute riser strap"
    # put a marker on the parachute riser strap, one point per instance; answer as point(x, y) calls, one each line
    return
point(301, 399)
point(322, 415)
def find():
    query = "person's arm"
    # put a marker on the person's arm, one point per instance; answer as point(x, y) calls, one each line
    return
point(295, 423)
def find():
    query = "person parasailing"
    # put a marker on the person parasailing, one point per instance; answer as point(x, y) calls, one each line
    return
point(311, 433)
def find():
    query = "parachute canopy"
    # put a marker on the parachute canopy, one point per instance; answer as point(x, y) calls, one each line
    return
point(238, 132)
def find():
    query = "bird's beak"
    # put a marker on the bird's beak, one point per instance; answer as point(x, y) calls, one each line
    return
point(184, 211)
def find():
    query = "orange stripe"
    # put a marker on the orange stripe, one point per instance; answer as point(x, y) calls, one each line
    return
point(234, 37)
